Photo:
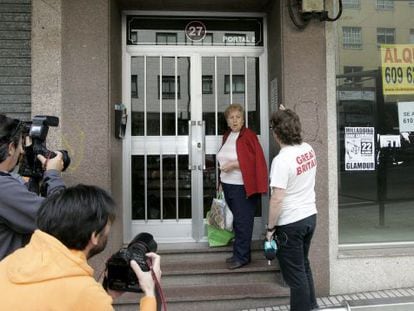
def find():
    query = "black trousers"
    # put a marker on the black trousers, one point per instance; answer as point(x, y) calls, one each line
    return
point(294, 241)
point(243, 210)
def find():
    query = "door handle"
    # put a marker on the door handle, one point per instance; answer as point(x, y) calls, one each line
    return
point(203, 144)
point(190, 146)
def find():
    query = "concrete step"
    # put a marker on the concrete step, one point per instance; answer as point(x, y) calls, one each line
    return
point(195, 277)
point(201, 251)
point(217, 297)
point(216, 273)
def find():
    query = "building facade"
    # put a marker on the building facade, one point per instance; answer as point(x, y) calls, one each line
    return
point(172, 67)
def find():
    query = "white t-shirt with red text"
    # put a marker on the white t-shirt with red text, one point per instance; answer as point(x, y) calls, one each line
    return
point(294, 169)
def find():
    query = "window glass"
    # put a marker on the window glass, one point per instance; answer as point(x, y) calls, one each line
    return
point(352, 38)
point(385, 4)
point(207, 84)
point(137, 98)
point(351, 4)
point(168, 87)
point(375, 110)
point(238, 84)
point(134, 86)
point(166, 38)
point(385, 35)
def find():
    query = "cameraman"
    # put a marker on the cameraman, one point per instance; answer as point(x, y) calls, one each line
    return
point(52, 272)
point(18, 206)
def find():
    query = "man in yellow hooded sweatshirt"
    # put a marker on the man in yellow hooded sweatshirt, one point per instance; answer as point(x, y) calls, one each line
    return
point(52, 273)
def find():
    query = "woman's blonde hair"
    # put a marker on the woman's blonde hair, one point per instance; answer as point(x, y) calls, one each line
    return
point(233, 107)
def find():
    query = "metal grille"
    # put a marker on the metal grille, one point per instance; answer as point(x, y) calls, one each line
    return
point(15, 58)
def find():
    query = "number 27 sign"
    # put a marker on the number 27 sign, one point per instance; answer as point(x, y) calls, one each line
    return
point(195, 31)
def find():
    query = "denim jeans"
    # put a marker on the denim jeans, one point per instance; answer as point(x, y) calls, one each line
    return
point(243, 209)
point(294, 241)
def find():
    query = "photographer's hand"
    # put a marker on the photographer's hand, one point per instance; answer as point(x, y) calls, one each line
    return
point(55, 163)
point(145, 279)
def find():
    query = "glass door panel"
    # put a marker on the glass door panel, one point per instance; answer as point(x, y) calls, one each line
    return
point(236, 80)
point(253, 94)
point(137, 95)
point(152, 100)
point(176, 133)
point(160, 105)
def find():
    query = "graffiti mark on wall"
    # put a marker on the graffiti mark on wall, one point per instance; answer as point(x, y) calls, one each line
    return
point(76, 152)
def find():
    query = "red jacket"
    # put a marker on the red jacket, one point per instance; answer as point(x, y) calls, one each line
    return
point(251, 161)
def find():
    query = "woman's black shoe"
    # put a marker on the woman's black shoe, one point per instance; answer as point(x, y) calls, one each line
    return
point(235, 265)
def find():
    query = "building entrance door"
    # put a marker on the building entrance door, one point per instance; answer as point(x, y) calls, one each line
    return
point(176, 99)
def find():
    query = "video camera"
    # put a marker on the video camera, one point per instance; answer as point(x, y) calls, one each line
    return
point(120, 275)
point(30, 166)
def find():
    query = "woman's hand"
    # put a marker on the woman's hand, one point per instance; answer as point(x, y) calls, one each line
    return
point(269, 235)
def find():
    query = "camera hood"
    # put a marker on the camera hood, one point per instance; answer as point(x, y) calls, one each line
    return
point(146, 239)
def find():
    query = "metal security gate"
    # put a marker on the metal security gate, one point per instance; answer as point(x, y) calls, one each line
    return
point(176, 97)
point(15, 59)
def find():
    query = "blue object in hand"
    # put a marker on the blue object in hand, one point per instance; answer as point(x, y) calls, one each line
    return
point(270, 249)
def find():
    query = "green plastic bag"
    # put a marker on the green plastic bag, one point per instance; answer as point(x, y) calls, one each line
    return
point(218, 237)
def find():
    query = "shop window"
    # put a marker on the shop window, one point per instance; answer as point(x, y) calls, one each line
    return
point(352, 74)
point(134, 86)
point(168, 87)
point(166, 38)
point(375, 125)
point(385, 36)
point(238, 84)
point(351, 4)
point(385, 4)
point(207, 84)
point(352, 38)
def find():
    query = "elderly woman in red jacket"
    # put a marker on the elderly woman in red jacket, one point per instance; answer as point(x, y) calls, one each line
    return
point(243, 177)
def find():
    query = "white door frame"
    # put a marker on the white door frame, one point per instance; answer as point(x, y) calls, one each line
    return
point(192, 229)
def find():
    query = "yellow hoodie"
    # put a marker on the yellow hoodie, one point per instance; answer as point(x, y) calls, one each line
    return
point(46, 275)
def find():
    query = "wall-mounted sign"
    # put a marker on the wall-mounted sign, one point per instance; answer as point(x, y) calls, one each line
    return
point(406, 116)
point(397, 61)
point(359, 149)
point(195, 31)
point(238, 39)
point(356, 95)
point(200, 30)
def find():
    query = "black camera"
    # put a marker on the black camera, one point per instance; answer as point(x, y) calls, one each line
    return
point(30, 166)
point(120, 275)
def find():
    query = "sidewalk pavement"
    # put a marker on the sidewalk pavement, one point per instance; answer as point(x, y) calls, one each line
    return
point(371, 298)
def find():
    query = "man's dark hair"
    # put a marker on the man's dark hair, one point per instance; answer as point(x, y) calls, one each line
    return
point(286, 125)
point(73, 214)
point(10, 132)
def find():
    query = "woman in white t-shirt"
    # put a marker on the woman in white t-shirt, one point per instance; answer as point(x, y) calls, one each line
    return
point(292, 210)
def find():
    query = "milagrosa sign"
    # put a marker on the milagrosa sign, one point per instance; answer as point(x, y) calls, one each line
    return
point(397, 61)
